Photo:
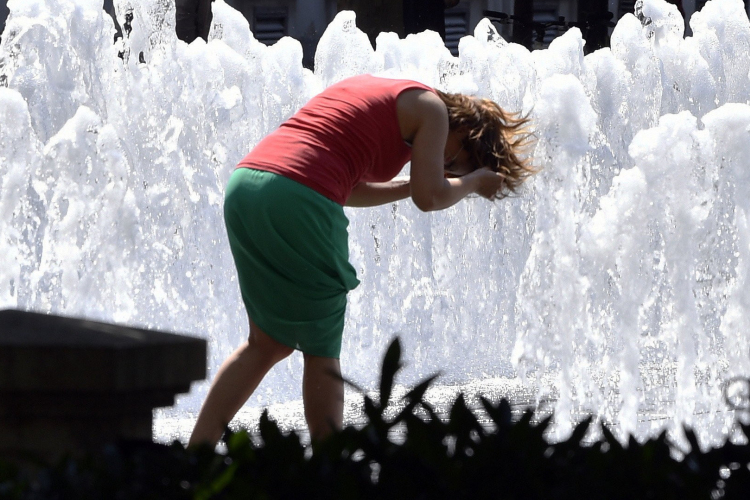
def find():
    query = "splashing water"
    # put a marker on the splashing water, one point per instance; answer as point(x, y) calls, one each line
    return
point(617, 283)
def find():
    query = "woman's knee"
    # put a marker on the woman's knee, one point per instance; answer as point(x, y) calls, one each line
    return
point(273, 349)
point(323, 370)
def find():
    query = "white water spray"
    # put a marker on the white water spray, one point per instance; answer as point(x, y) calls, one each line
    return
point(617, 283)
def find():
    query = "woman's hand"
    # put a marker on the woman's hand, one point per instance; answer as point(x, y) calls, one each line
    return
point(488, 183)
point(423, 118)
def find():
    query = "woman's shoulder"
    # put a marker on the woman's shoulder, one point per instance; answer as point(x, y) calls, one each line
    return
point(416, 107)
point(421, 102)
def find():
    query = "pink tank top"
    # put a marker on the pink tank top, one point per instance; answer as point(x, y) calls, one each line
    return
point(347, 134)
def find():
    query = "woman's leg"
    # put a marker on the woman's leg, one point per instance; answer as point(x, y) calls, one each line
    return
point(323, 395)
point(235, 381)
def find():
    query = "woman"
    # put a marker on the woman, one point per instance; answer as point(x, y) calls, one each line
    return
point(288, 232)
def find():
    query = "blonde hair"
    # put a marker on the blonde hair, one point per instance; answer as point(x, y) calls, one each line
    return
point(495, 138)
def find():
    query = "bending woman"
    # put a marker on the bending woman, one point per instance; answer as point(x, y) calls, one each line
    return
point(288, 232)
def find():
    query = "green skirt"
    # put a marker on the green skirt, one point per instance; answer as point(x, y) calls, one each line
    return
point(290, 245)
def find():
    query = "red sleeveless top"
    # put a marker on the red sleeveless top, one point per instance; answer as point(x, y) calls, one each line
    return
point(347, 134)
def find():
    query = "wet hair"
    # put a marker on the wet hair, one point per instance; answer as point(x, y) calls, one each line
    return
point(495, 138)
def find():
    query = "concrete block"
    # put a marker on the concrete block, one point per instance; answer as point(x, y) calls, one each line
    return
point(69, 384)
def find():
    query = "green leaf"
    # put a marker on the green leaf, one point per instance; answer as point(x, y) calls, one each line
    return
point(236, 441)
point(391, 365)
point(415, 397)
point(580, 430)
point(217, 485)
point(614, 443)
point(462, 419)
point(353, 385)
point(372, 412)
point(417, 394)
point(500, 414)
point(269, 430)
point(692, 439)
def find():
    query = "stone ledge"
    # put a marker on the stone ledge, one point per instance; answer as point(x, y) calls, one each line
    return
point(69, 384)
point(40, 352)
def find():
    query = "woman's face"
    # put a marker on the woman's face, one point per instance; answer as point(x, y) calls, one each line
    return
point(457, 160)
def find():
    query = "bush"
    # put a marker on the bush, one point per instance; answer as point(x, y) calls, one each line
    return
point(455, 457)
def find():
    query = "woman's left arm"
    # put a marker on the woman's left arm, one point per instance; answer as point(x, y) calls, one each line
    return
point(372, 194)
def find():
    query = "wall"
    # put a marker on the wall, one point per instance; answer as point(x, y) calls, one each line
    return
point(3, 15)
point(306, 21)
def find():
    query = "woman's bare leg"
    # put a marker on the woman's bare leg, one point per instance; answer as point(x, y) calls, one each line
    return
point(235, 382)
point(323, 395)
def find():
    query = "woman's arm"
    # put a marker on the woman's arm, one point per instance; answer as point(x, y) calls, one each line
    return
point(371, 194)
point(426, 115)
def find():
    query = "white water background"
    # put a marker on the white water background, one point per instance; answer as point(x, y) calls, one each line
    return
point(616, 284)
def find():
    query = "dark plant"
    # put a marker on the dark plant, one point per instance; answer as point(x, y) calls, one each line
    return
point(415, 454)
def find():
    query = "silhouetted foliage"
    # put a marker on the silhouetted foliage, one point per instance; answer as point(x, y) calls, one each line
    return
point(414, 454)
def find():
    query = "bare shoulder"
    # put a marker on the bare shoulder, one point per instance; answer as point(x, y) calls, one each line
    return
point(417, 107)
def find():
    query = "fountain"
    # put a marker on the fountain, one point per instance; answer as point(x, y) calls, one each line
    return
point(615, 284)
